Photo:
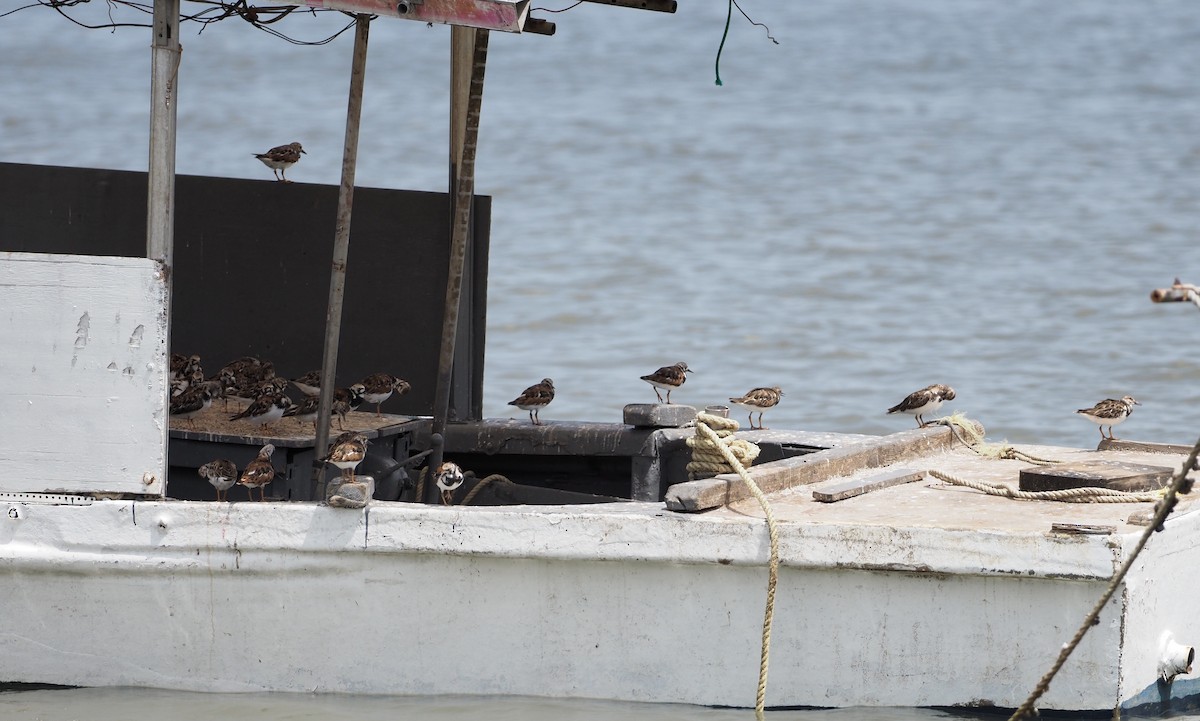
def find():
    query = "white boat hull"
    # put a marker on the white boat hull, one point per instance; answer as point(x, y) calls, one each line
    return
point(617, 602)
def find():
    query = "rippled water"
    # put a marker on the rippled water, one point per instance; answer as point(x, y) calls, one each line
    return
point(900, 192)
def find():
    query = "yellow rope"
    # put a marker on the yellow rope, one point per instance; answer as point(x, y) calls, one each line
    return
point(1069, 495)
point(719, 439)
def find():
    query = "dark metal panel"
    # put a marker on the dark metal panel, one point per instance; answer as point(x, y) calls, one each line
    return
point(251, 272)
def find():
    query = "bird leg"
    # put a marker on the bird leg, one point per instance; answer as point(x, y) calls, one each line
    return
point(668, 396)
point(751, 419)
point(446, 497)
point(378, 411)
point(660, 400)
point(761, 427)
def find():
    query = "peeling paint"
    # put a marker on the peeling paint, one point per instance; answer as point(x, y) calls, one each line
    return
point(135, 339)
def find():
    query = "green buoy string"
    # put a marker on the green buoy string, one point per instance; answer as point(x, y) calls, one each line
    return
point(724, 35)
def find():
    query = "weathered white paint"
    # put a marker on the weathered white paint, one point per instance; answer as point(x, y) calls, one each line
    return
point(82, 374)
point(1160, 604)
point(622, 601)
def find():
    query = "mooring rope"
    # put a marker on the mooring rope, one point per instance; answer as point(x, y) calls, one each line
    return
point(1070, 495)
point(1179, 485)
point(708, 437)
point(708, 456)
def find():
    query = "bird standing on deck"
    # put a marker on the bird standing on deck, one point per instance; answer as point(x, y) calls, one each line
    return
point(265, 409)
point(309, 383)
point(926, 400)
point(190, 403)
point(280, 158)
point(534, 398)
point(258, 473)
point(380, 386)
point(759, 400)
point(1109, 412)
point(448, 478)
point(667, 378)
point(222, 474)
point(346, 400)
point(346, 452)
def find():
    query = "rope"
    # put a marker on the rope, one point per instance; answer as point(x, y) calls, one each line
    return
point(720, 440)
point(420, 496)
point(962, 426)
point(1179, 484)
point(1069, 495)
point(708, 456)
point(481, 485)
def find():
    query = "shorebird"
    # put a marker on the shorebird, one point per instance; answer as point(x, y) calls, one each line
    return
point(380, 386)
point(926, 400)
point(258, 473)
point(190, 403)
point(222, 474)
point(1109, 412)
point(448, 478)
point(280, 158)
point(305, 411)
point(667, 378)
point(759, 400)
point(309, 383)
point(346, 452)
point(534, 398)
point(346, 400)
point(265, 409)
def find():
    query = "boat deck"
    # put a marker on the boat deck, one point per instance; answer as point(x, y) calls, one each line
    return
point(932, 503)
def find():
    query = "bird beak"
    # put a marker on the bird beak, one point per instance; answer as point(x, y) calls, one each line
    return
point(302, 150)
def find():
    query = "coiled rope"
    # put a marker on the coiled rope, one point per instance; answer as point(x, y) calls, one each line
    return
point(708, 456)
point(713, 434)
point(1179, 484)
point(1068, 495)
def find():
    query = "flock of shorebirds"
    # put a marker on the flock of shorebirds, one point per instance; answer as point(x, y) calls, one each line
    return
point(253, 381)
point(1108, 412)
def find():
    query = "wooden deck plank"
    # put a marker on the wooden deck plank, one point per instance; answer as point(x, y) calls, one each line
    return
point(850, 489)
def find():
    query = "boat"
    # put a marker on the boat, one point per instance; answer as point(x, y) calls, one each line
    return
point(580, 560)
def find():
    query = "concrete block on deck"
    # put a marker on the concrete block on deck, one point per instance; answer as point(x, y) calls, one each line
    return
point(659, 415)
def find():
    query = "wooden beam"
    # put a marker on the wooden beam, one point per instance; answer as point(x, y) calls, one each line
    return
point(708, 493)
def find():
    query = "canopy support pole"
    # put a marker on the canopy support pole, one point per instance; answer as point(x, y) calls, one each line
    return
point(341, 249)
point(468, 61)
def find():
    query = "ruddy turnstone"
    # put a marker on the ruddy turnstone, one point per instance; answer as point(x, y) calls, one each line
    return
point(222, 474)
point(667, 378)
point(346, 400)
point(280, 158)
point(926, 400)
point(448, 478)
point(305, 411)
point(759, 400)
point(258, 473)
point(346, 452)
point(309, 383)
point(265, 409)
point(534, 398)
point(185, 367)
point(1109, 412)
point(380, 386)
point(190, 403)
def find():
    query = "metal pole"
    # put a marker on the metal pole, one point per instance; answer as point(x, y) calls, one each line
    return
point(160, 200)
point(341, 247)
point(468, 50)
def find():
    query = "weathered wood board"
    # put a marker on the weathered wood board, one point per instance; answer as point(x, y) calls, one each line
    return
point(850, 489)
point(1116, 475)
point(83, 374)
